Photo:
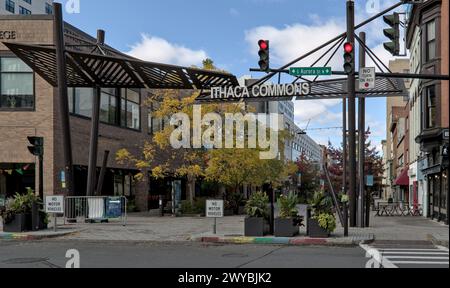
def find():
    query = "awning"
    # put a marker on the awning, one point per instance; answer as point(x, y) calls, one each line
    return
point(403, 179)
point(90, 70)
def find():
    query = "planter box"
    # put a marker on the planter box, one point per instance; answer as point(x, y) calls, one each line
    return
point(17, 225)
point(315, 231)
point(254, 227)
point(285, 228)
point(228, 213)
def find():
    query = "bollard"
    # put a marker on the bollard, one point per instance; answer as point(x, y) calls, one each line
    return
point(161, 207)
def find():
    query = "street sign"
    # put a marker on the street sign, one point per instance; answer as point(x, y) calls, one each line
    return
point(367, 78)
point(214, 209)
point(54, 204)
point(370, 181)
point(310, 71)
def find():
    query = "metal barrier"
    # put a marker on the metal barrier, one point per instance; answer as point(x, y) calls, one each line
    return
point(398, 209)
point(95, 209)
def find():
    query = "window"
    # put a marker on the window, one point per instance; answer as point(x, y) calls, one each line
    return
point(10, 6)
point(130, 116)
point(24, 11)
point(431, 103)
point(80, 101)
point(108, 106)
point(431, 40)
point(48, 8)
point(27, 1)
point(16, 85)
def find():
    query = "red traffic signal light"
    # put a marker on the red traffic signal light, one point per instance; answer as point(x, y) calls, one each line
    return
point(264, 55)
point(348, 47)
point(263, 44)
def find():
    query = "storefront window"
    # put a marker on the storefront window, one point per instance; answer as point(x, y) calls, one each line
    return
point(130, 109)
point(17, 84)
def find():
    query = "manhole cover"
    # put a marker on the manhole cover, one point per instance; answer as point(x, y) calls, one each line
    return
point(235, 255)
point(25, 260)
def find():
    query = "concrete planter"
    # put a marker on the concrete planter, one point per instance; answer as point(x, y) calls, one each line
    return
point(285, 228)
point(315, 231)
point(254, 227)
point(18, 224)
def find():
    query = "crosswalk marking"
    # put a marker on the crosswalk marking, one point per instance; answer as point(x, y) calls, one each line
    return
point(389, 257)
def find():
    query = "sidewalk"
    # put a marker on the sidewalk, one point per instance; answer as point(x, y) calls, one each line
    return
point(141, 228)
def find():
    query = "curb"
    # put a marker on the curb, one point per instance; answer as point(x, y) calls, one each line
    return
point(439, 242)
point(31, 237)
point(331, 242)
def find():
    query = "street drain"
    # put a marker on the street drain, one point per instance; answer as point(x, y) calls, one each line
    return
point(25, 260)
point(235, 256)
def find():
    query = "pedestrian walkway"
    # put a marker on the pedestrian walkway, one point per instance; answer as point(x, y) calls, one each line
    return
point(408, 255)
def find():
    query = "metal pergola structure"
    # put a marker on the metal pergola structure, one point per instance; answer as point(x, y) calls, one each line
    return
point(91, 70)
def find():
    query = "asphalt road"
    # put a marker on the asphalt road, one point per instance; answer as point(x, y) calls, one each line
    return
point(52, 254)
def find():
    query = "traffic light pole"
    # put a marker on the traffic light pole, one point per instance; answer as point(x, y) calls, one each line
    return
point(351, 114)
point(362, 136)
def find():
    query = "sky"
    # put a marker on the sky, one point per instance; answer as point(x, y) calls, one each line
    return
point(186, 32)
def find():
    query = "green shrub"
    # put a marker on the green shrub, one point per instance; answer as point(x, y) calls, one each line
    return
point(326, 221)
point(257, 205)
point(288, 206)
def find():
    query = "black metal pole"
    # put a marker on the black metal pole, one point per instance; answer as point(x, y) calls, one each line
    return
point(344, 148)
point(351, 114)
point(101, 178)
point(62, 94)
point(362, 136)
point(93, 148)
point(41, 177)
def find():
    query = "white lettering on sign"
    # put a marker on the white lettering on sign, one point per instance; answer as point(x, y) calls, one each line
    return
point(263, 91)
point(214, 209)
point(367, 78)
point(54, 204)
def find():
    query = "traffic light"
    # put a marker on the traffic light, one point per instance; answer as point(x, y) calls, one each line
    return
point(393, 33)
point(349, 58)
point(264, 55)
point(37, 148)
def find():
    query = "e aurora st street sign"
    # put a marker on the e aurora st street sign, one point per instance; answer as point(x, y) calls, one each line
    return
point(261, 91)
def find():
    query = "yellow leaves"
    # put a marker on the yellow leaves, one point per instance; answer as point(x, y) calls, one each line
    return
point(158, 172)
point(123, 156)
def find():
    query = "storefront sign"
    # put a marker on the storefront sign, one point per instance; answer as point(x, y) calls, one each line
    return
point(214, 209)
point(54, 204)
point(8, 35)
point(261, 91)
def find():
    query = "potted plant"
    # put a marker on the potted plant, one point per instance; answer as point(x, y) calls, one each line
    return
point(17, 213)
point(323, 221)
point(257, 213)
point(286, 224)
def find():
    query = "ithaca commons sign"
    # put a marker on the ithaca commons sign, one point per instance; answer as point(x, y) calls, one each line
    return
point(261, 91)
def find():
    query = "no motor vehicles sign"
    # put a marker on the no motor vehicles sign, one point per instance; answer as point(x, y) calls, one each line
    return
point(54, 204)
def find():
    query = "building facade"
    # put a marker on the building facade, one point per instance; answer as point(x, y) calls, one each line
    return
point(427, 37)
point(395, 157)
point(25, 7)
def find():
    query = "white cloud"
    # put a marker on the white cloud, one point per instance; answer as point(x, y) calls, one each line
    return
point(155, 49)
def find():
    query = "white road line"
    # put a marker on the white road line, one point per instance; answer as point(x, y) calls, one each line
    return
point(416, 257)
point(420, 263)
point(424, 250)
point(414, 253)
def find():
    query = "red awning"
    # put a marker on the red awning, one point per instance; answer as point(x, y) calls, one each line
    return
point(403, 179)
